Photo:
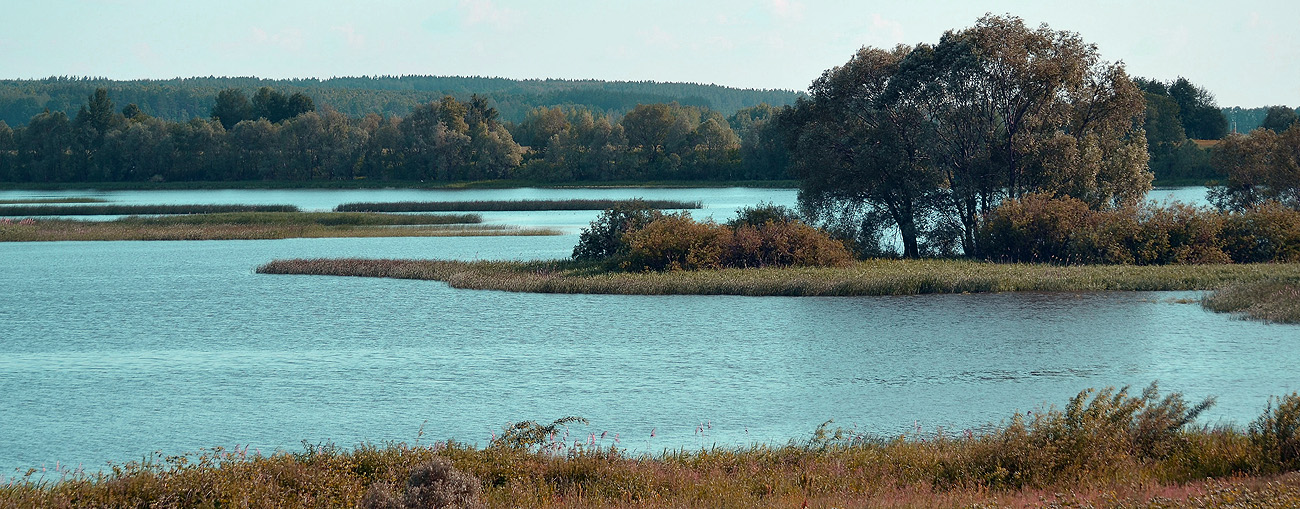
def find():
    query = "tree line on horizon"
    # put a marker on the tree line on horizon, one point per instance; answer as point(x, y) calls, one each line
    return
point(180, 100)
point(284, 137)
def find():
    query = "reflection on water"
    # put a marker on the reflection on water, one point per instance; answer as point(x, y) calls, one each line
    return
point(109, 350)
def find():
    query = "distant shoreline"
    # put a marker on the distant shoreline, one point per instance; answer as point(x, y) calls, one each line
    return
point(378, 184)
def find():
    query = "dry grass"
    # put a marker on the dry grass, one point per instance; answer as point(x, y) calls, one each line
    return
point(122, 210)
point(873, 277)
point(256, 225)
point(1105, 448)
point(1270, 301)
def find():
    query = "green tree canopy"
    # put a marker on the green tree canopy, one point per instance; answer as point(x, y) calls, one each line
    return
point(929, 138)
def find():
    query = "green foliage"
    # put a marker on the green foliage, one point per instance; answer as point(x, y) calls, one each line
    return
point(761, 214)
point(932, 136)
point(1261, 166)
point(603, 239)
point(1276, 433)
point(529, 435)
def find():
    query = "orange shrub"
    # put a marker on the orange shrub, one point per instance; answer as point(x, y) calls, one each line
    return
point(676, 242)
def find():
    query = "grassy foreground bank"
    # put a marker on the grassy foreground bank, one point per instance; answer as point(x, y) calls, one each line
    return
point(1104, 448)
point(257, 225)
point(873, 277)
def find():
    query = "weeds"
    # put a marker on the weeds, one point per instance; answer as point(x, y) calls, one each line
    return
point(1269, 300)
point(257, 225)
point(1105, 447)
point(871, 277)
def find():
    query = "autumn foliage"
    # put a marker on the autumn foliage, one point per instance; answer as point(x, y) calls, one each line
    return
point(1041, 229)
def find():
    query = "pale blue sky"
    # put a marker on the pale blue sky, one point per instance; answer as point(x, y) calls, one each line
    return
point(1246, 52)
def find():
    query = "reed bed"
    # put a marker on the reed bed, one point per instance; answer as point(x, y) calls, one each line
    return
point(1105, 448)
point(872, 277)
point(257, 226)
point(30, 201)
point(124, 210)
point(1269, 301)
point(511, 205)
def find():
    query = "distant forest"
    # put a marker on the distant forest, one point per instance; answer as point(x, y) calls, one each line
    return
point(457, 129)
point(182, 99)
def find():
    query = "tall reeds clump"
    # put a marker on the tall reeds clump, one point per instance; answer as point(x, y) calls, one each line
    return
point(1269, 300)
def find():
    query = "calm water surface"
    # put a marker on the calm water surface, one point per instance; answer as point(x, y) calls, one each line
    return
point(111, 350)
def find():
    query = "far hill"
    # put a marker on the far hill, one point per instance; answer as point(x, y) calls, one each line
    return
point(180, 99)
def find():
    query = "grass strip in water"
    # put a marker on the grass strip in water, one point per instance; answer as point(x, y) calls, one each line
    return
point(872, 277)
point(1105, 448)
point(258, 225)
point(30, 201)
point(124, 210)
point(509, 205)
point(1269, 300)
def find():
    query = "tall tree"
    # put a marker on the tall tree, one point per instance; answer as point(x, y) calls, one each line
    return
point(934, 136)
point(232, 107)
point(1201, 118)
point(1279, 118)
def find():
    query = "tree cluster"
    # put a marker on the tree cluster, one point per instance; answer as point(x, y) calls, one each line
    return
point(1261, 166)
point(1170, 128)
point(929, 139)
point(277, 136)
point(181, 99)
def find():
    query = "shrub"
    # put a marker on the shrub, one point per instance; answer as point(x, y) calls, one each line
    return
point(432, 485)
point(761, 214)
point(603, 239)
point(1266, 233)
point(1276, 433)
point(1035, 228)
point(676, 242)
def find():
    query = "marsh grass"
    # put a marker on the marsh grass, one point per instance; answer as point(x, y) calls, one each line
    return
point(1268, 300)
point(510, 205)
point(123, 210)
point(258, 225)
point(872, 277)
point(31, 201)
point(1104, 448)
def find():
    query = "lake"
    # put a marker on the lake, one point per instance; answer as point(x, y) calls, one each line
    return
point(112, 350)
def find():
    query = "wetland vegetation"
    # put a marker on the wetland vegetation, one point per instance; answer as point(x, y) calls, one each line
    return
point(1109, 447)
point(123, 210)
point(257, 225)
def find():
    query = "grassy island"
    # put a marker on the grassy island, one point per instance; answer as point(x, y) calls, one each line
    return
point(257, 225)
point(1105, 448)
point(872, 277)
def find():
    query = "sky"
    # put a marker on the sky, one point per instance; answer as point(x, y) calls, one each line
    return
point(1245, 52)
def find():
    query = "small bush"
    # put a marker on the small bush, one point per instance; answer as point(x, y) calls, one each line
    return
point(676, 242)
point(432, 485)
point(603, 239)
point(1266, 233)
point(1276, 433)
